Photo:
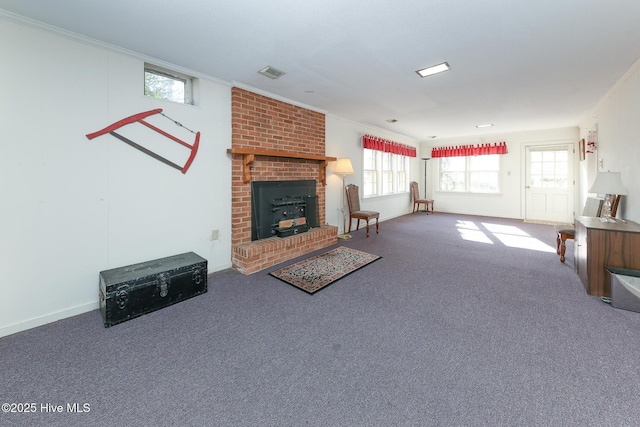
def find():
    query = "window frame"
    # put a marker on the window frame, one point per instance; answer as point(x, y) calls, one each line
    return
point(370, 186)
point(559, 166)
point(402, 173)
point(467, 172)
point(187, 80)
point(387, 174)
point(397, 178)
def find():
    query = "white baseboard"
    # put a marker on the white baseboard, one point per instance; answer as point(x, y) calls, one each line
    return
point(63, 314)
point(48, 318)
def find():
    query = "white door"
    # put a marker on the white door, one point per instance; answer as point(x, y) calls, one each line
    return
point(549, 183)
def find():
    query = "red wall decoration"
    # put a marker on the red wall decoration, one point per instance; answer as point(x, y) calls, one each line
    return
point(111, 129)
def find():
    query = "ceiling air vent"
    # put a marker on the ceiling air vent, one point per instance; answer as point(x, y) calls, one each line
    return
point(272, 73)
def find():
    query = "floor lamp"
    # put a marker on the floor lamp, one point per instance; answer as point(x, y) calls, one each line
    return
point(426, 159)
point(344, 168)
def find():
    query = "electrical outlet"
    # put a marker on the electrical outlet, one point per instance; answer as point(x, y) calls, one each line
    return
point(600, 163)
point(215, 234)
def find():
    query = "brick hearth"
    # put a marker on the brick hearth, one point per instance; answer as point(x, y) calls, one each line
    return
point(260, 122)
point(260, 254)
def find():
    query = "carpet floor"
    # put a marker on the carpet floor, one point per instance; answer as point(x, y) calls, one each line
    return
point(464, 321)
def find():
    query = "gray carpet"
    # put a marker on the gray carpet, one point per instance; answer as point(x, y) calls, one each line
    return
point(442, 331)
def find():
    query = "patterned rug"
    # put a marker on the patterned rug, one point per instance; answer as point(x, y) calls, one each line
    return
point(317, 272)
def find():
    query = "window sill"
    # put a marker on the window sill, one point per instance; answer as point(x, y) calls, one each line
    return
point(466, 193)
point(387, 196)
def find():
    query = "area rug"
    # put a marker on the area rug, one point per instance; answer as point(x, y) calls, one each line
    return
point(317, 272)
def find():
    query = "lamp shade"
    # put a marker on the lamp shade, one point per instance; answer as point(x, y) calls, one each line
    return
point(608, 183)
point(344, 167)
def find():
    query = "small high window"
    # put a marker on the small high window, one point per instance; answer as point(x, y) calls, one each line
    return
point(168, 85)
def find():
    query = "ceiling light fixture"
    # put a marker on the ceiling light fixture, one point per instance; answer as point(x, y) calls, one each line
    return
point(272, 73)
point(434, 69)
point(485, 126)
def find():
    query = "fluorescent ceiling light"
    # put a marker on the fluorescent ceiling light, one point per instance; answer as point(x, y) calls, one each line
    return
point(433, 70)
point(484, 126)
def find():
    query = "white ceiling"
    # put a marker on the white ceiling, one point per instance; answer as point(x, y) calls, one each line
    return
point(518, 64)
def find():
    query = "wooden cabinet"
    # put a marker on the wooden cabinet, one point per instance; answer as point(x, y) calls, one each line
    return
point(599, 245)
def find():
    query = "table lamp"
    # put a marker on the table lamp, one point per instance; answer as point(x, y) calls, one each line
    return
point(609, 184)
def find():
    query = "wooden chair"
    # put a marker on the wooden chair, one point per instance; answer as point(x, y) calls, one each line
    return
point(417, 201)
point(593, 208)
point(353, 199)
point(614, 201)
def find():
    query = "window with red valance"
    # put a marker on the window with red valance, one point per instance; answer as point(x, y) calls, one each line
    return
point(375, 143)
point(470, 150)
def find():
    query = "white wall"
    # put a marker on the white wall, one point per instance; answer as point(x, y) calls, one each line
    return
point(617, 117)
point(510, 202)
point(72, 207)
point(344, 139)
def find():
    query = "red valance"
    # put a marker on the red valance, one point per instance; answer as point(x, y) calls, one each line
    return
point(379, 144)
point(470, 150)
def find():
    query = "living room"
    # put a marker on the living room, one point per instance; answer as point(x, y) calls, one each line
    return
point(78, 202)
point(87, 203)
point(74, 207)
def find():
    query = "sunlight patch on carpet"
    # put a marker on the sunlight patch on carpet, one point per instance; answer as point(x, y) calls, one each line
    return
point(317, 272)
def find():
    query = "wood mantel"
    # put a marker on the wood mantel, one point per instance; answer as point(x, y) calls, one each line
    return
point(248, 157)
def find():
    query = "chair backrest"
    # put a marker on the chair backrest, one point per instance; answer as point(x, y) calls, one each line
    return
point(415, 191)
point(592, 207)
point(353, 197)
point(614, 199)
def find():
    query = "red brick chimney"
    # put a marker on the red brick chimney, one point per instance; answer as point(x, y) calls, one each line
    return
point(263, 123)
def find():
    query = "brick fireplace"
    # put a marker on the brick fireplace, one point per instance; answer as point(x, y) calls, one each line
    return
point(264, 125)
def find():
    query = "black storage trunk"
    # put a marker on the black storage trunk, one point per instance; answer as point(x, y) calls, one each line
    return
point(134, 290)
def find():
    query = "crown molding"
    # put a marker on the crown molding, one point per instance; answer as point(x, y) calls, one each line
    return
point(12, 17)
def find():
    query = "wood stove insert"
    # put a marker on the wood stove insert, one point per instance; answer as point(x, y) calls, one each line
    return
point(283, 208)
